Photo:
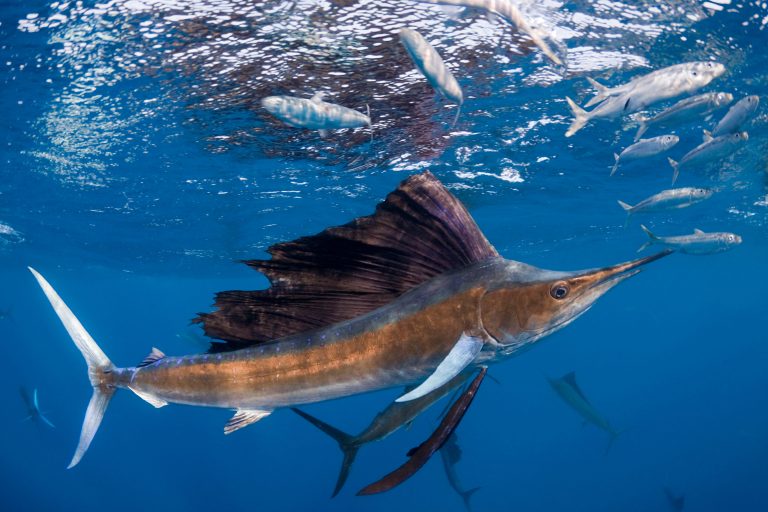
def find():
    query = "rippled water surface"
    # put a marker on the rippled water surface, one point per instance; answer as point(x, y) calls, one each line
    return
point(138, 166)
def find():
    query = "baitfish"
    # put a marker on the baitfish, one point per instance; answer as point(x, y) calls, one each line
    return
point(684, 77)
point(686, 110)
point(385, 423)
point(567, 389)
point(314, 113)
point(697, 243)
point(676, 503)
point(431, 65)
point(668, 200)
point(711, 149)
point(736, 116)
point(33, 407)
point(509, 11)
point(645, 148)
point(643, 92)
point(346, 314)
point(450, 454)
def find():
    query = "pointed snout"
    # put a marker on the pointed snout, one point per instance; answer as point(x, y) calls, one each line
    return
point(611, 276)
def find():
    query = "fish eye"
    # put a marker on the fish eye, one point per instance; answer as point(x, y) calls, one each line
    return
point(695, 74)
point(731, 238)
point(559, 290)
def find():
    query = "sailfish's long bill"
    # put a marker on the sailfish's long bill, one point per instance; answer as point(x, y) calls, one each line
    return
point(412, 295)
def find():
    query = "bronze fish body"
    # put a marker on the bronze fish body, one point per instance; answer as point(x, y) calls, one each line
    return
point(413, 293)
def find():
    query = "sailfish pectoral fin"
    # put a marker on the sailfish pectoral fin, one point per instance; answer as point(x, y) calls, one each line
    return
point(422, 453)
point(460, 356)
point(243, 418)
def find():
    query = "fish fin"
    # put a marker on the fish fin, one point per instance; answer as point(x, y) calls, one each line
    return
point(616, 158)
point(419, 231)
point(642, 128)
point(467, 495)
point(570, 379)
point(425, 450)
point(627, 207)
point(345, 441)
point(613, 436)
point(370, 126)
point(602, 92)
point(461, 355)
point(99, 366)
point(154, 356)
point(323, 133)
point(149, 398)
point(675, 169)
point(456, 117)
point(626, 104)
point(46, 420)
point(317, 97)
point(243, 418)
point(707, 136)
point(697, 231)
point(581, 117)
point(652, 238)
point(35, 403)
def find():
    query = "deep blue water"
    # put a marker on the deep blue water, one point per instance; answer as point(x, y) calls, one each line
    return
point(137, 169)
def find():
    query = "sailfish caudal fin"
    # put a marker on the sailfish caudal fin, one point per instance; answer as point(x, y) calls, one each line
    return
point(346, 443)
point(99, 367)
point(581, 117)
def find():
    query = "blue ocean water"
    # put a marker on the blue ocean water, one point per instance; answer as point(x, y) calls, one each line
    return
point(138, 169)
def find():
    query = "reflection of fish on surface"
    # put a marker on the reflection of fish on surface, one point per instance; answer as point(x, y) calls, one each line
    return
point(676, 503)
point(385, 423)
point(570, 392)
point(450, 453)
point(314, 113)
point(33, 407)
point(697, 243)
point(509, 11)
point(333, 326)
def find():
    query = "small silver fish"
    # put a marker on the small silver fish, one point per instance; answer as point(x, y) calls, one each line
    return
point(711, 149)
point(431, 65)
point(644, 91)
point(685, 76)
point(697, 243)
point(669, 200)
point(314, 113)
point(737, 115)
point(645, 148)
point(686, 110)
point(509, 11)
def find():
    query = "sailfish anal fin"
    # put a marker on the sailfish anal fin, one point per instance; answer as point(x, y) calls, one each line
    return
point(418, 232)
point(243, 418)
point(460, 356)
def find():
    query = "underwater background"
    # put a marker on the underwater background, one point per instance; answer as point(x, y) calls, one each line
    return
point(138, 169)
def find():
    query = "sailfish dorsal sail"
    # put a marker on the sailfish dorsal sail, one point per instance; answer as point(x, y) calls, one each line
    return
point(418, 232)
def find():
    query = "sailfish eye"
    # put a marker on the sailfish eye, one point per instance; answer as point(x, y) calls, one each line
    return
point(559, 290)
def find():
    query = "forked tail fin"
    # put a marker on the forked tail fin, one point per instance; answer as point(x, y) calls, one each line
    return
point(652, 238)
point(99, 366)
point(642, 128)
point(603, 92)
point(675, 169)
point(627, 208)
point(614, 435)
point(346, 443)
point(581, 117)
point(616, 158)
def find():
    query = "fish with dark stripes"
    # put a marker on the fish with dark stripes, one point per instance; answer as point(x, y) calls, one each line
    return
point(412, 295)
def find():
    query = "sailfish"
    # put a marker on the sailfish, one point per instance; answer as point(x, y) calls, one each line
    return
point(412, 295)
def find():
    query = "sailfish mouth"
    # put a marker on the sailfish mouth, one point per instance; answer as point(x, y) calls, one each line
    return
point(611, 276)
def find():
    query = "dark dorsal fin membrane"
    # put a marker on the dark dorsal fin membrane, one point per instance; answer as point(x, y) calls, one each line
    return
point(570, 378)
point(420, 231)
point(153, 357)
